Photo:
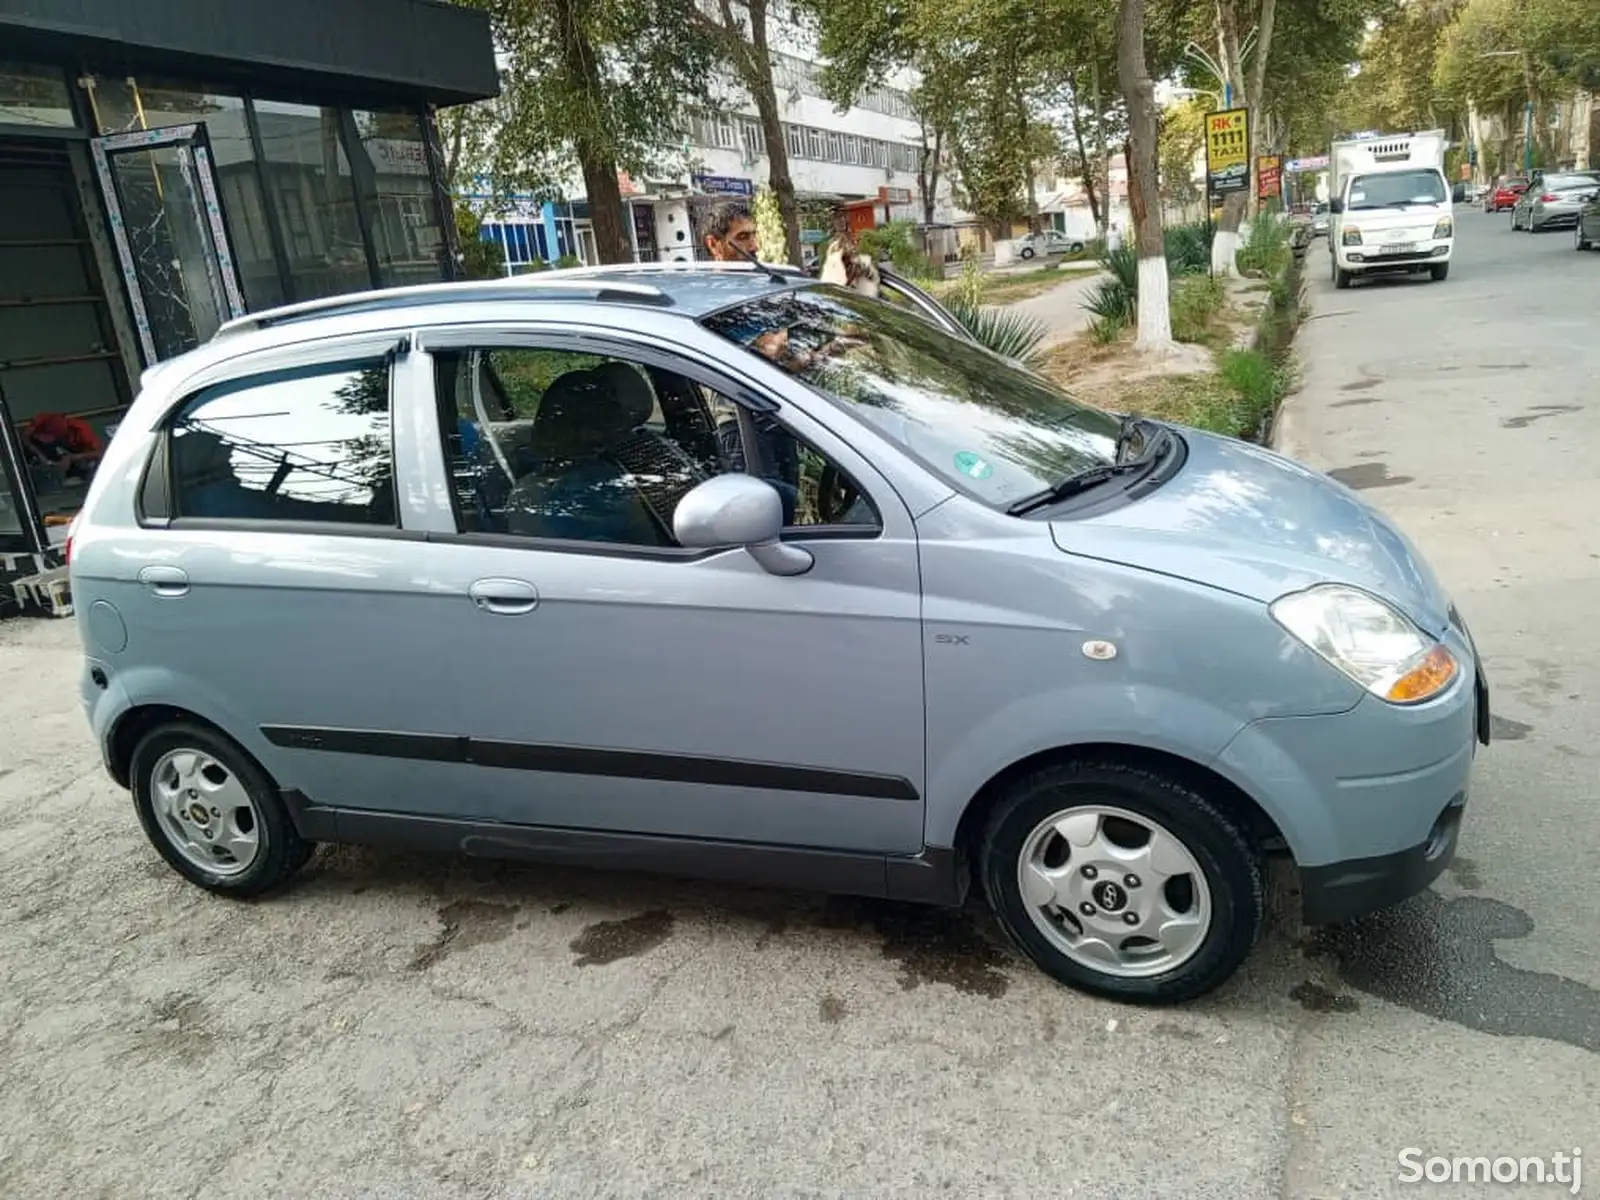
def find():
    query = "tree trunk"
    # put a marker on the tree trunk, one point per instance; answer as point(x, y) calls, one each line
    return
point(928, 173)
point(1089, 187)
point(1258, 83)
point(1144, 197)
point(1103, 164)
point(611, 240)
point(758, 81)
point(599, 166)
point(1225, 244)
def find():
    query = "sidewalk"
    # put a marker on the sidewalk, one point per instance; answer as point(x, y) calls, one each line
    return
point(1061, 308)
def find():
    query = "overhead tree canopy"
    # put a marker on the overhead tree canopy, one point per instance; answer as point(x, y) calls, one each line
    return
point(591, 87)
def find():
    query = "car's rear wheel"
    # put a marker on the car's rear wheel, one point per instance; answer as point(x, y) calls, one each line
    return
point(1122, 881)
point(212, 813)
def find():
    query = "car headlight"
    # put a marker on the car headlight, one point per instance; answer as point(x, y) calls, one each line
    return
point(1351, 237)
point(1370, 641)
point(1445, 228)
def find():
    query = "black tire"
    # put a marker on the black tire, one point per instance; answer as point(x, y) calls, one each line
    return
point(1027, 252)
point(1440, 273)
point(1233, 873)
point(282, 851)
point(1341, 279)
point(1582, 243)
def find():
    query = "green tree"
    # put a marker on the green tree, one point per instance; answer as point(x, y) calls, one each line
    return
point(741, 32)
point(592, 87)
point(1182, 138)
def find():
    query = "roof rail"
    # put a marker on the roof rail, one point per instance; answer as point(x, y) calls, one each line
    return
point(514, 287)
point(648, 268)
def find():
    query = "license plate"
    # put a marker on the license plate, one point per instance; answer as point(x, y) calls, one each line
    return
point(1395, 248)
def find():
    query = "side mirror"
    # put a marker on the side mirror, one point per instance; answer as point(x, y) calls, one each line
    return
point(1336, 206)
point(739, 510)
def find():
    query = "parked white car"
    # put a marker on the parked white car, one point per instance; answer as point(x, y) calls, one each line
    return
point(1047, 243)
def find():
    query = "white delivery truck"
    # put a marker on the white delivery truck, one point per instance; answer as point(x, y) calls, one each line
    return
point(1389, 206)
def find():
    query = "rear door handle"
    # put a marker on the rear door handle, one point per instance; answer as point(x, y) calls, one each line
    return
point(504, 597)
point(165, 581)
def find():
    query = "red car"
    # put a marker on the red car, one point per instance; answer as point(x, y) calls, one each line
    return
point(1504, 193)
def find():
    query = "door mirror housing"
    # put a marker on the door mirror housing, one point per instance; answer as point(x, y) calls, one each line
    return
point(1336, 206)
point(739, 510)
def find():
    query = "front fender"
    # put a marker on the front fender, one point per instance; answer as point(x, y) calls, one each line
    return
point(1139, 716)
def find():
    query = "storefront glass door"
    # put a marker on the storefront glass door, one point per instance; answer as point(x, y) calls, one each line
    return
point(19, 523)
point(172, 245)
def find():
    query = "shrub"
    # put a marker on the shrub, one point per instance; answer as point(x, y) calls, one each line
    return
point(1196, 300)
point(1012, 334)
point(1114, 301)
point(1188, 249)
point(568, 260)
point(1266, 248)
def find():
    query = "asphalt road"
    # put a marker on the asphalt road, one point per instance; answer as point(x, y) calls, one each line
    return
point(401, 1026)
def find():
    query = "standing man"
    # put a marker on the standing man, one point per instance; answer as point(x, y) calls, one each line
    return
point(732, 229)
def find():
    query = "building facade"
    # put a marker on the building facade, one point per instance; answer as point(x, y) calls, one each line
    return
point(160, 175)
point(861, 161)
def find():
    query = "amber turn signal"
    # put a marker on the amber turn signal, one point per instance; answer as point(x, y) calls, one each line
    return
point(1425, 680)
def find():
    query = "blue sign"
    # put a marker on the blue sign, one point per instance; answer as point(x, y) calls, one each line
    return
point(723, 185)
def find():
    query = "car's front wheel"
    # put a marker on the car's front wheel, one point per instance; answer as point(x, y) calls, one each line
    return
point(1122, 881)
point(212, 813)
point(1583, 243)
point(1027, 252)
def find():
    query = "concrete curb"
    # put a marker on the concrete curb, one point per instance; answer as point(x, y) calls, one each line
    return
point(1282, 437)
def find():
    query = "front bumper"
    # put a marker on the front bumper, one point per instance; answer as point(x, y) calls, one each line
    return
point(1339, 891)
point(1376, 257)
point(1370, 801)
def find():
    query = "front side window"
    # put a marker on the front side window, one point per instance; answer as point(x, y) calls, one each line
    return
point(981, 423)
point(309, 444)
point(556, 445)
point(1397, 188)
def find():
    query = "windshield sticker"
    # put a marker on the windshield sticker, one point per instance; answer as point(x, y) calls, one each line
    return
point(974, 466)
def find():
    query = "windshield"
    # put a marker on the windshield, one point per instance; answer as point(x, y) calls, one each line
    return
point(984, 425)
point(1396, 188)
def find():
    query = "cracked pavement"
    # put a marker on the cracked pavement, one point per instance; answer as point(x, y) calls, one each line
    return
point(405, 1026)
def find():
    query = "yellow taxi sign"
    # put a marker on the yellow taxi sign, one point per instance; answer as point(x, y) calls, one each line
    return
point(1228, 151)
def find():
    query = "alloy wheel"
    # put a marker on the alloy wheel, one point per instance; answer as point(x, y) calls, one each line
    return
point(205, 812)
point(1114, 891)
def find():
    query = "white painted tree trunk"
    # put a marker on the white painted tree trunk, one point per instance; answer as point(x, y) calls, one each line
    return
point(1224, 249)
point(1155, 308)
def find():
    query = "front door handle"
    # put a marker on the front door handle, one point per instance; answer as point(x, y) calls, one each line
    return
point(504, 597)
point(165, 581)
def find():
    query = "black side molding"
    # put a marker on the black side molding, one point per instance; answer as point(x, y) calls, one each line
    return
point(935, 876)
point(583, 760)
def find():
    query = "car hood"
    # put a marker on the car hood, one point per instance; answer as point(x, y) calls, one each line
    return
point(1241, 518)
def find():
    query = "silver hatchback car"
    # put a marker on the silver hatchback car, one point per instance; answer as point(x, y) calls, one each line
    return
point(725, 572)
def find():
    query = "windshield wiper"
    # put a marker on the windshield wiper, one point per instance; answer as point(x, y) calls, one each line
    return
point(1073, 484)
point(1159, 439)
